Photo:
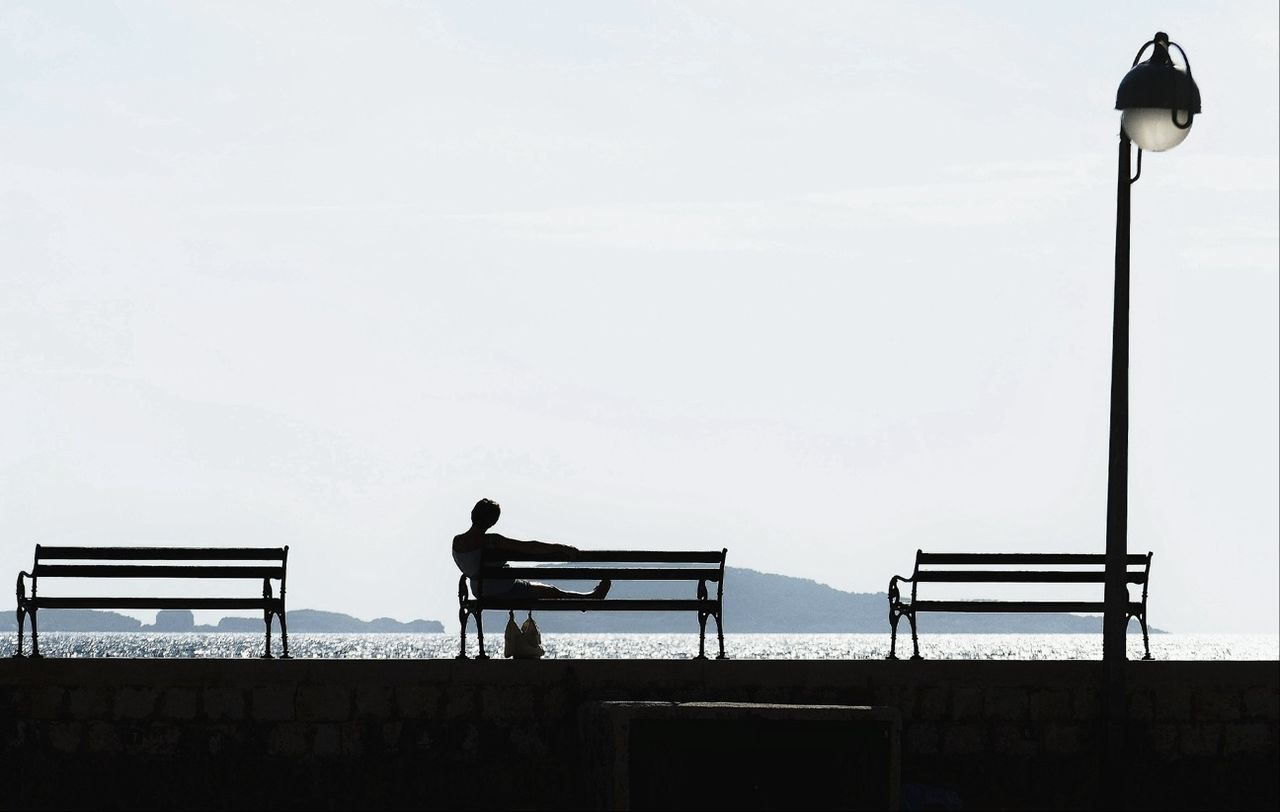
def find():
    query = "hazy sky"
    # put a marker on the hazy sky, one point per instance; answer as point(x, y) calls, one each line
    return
point(819, 283)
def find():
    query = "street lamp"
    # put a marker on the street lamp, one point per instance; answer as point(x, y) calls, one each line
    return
point(1158, 101)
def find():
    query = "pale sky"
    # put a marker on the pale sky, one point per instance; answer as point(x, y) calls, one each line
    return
point(819, 283)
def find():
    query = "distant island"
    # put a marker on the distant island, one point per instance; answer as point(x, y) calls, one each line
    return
point(182, 620)
point(755, 602)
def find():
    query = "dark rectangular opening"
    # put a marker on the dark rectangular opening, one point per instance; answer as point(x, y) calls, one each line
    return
point(759, 763)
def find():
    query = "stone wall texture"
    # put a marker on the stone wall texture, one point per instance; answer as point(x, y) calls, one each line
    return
point(499, 734)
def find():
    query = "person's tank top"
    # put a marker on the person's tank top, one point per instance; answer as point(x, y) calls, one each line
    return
point(468, 562)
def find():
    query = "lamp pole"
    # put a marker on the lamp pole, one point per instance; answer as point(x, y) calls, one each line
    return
point(1158, 103)
point(1115, 619)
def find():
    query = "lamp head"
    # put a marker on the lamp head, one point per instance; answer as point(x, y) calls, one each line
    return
point(1158, 100)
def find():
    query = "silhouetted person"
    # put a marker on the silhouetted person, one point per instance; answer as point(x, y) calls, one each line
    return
point(468, 547)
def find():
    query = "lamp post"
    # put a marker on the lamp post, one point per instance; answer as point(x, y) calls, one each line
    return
point(1158, 102)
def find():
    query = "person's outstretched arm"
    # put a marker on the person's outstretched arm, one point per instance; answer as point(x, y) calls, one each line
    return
point(502, 544)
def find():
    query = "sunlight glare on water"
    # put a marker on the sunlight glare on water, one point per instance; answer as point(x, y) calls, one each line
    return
point(653, 646)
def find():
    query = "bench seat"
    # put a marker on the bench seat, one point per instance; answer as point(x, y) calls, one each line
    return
point(1015, 606)
point(154, 603)
point(590, 604)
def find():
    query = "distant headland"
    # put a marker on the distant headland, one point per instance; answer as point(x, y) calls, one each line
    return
point(754, 602)
point(761, 603)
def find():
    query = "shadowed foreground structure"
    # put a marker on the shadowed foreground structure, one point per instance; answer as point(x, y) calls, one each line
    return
point(444, 733)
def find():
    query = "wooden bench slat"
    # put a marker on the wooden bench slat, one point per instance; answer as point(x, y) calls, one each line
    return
point(161, 553)
point(1021, 577)
point(1012, 606)
point(1022, 558)
point(627, 556)
point(144, 571)
point(43, 602)
point(597, 573)
point(606, 605)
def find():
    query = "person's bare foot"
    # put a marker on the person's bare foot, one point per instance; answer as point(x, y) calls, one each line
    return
point(601, 589)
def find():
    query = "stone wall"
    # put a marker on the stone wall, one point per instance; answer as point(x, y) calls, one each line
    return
point(468, 734)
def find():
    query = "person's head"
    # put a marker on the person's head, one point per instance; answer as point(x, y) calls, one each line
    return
point(485, 514)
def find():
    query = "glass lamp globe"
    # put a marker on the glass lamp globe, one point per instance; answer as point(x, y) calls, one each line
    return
point(1152, 128)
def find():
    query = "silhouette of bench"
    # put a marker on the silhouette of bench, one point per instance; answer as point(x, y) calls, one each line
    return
point(1090, 569)
point(699, 567)
point(273, 567)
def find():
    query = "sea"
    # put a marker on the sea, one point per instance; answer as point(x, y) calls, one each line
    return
point(649, 646)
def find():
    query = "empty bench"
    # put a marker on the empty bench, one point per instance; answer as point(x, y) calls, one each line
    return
point(53, 562)
point(959, 568)
point(698, 568)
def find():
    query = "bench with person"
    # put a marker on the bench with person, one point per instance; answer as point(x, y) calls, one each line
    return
point(697, 568)
point(85, 563)
point(959, 568)
point(484, 559)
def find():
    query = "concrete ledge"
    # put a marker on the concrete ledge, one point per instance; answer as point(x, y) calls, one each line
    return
point(465, 733)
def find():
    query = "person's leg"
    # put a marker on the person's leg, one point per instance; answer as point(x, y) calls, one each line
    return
point(539, 590)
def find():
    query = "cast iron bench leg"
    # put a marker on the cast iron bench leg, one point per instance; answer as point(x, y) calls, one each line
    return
point(915, 640)
point(480, 635)
point(22, 620)
point(284, 636)
point(720, 637)
point(35, 635)
point(463, 617)
point(266, 618)
point(702, 635)
point(894, 617)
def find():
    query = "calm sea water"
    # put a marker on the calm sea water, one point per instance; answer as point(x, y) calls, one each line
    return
point(656, 646)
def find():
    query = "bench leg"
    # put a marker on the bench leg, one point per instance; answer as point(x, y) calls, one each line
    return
point(22, 620)
point(1146, 641)
point(35, 634)
point(266, 618)
point(915, 640)
point(463, 617)
point(720, 636)
point(894, 617)
point(480, 635)
point(702, 635)
point(284, 636)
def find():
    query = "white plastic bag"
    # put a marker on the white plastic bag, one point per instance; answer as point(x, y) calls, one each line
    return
point(511, 637)
point(522, 642)
point(532, 637)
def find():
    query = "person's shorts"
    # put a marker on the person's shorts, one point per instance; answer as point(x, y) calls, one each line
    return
point(495, 588)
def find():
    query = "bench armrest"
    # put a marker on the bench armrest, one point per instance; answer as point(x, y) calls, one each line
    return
point(22, 587)
point(895, 595)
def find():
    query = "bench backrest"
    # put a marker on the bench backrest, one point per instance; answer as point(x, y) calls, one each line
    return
point(274, 561)
point(595, 566)
point(1093, 573)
